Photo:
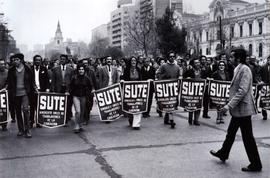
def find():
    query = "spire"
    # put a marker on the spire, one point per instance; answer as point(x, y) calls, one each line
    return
point(58, 34)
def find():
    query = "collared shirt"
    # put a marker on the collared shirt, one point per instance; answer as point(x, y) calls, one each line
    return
point(147, 68)
point(63, 70)
point(36, 69)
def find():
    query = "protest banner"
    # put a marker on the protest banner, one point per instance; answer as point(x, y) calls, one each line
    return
point(218, 93)
point(264, 94)
point(51, 109)
point(191, 94)
point(254, 90)
point(3, 106)
point(109, 101)
point(135, 96)
point(167, 93)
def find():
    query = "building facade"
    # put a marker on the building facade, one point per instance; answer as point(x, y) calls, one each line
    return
point(101, 32)
point(229, 24)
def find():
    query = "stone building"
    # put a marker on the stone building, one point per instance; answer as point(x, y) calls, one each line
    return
point(231, 23)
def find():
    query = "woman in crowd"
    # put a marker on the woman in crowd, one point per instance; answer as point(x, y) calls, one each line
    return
point(222, 75)
point(80, 88)
point(133, 73)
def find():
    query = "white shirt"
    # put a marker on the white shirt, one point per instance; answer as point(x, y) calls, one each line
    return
point(110, 75)
point(37, 77)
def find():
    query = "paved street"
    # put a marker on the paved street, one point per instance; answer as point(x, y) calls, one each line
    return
point(115, 150)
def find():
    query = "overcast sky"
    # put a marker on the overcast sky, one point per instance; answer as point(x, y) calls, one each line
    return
point(34, 21)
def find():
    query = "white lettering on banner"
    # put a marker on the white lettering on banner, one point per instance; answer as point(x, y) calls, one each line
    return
point(109, 97)
point(135, 91)
point(265, 91)
point(193, 88)
point(3, 101)
point(52, 103)
point(167, 89)
point(219, 90)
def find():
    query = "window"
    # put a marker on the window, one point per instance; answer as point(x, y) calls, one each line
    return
point(260, 28)
point(241, 30)
point(250, 29)
point(232, 32)
point(200, 51)
point(207, 51)
point(218, 34)
point(260, 50)
point(250, 49)
point(207, 36)
point(200, 36)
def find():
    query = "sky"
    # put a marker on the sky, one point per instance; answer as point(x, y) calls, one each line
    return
point(35, 21)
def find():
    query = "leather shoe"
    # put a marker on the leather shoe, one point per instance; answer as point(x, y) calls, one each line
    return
point(251, 169)
point(264, 118)
point(206, 117)
point(196, 123)
point(27, 134)
point(217, 154)
point(136, 128)
point(20, 133)
point(172, 124)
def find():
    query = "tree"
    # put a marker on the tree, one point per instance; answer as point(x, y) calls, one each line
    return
point(115, 52)
point(98, 47)
point(170, 37)
point(140, 31)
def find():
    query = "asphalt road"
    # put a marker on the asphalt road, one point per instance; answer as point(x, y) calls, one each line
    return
point(115, 150)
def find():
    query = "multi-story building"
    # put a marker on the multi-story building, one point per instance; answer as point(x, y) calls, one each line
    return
point(101, 32)
point(158, 7)
point(119, 18)
point(231, 23)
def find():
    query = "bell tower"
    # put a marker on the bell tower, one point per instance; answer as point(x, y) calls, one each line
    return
point(58, 38)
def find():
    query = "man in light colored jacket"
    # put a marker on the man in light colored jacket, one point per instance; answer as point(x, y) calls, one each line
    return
point(241, 106)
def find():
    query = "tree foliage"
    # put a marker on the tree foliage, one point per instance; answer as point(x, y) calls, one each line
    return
point(115, 52)
point(170, 37)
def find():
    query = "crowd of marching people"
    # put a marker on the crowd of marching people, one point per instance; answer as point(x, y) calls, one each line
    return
point(78, 79)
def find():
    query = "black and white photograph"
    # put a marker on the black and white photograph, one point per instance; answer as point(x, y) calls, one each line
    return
point(134, 89)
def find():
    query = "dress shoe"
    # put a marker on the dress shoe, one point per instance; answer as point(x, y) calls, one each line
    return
point(144, 116)
point(251, 169)
point(196, 123)
point(39, 126)
point(76, 131)
point(20, 133)
point(217, 154)
point(160, 114)
point(13, 120)
point(264, 118)
point(172, 123)
point(108, 122)
point(190, 121)
point(136, 128)
point(28, 134)
point(206, 117)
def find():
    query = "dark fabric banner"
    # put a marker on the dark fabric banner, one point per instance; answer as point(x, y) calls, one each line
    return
point(135, 96)
point(3, 106)
point(218, 93)
point(109, 101)
point(191, 94)
point(51, 109)
point(167, 93)
point(264, 94)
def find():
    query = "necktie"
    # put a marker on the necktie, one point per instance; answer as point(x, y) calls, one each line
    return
point(109, 68)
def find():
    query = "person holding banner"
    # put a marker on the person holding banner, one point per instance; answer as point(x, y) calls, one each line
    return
point(80, 90)
point(21, 85)
point(169, 70)
point(148, 73)
point(222, 75)
point(42, 83)
point(61, 77)
point(3, 83)
point(265, 75)
point(196, 73)
point(133, 73)
point(241, 106)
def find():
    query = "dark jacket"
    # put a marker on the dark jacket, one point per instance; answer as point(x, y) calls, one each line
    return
point(29, 81)
point(265, 74)
point(126, 76)
point(80, 86)
point(216, 76)
point(191, 74)
point(43, 78)
point(151, 74)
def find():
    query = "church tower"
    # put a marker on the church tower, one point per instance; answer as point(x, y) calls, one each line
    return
point(58, 38)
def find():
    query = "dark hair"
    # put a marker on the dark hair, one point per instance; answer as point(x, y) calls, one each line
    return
point(36, 57)
point(79, 66)
point(64, 55)
point(201, 57)
point(222, 54)
point(18, 55)
point(240, 54)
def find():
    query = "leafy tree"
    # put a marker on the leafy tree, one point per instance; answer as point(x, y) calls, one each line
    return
point(115, 52)
point(170, 37)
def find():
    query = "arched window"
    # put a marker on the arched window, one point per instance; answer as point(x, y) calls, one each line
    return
point(260, 50)
point(250, 49)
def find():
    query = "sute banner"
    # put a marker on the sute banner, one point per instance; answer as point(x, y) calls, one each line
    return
point(167, 93)
point(191, 94)
point(3, 106)
point(51, 109)
point(109, 101)
point(218, 93)
point(254, 90)
point(265, 96)
point(135, 96)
